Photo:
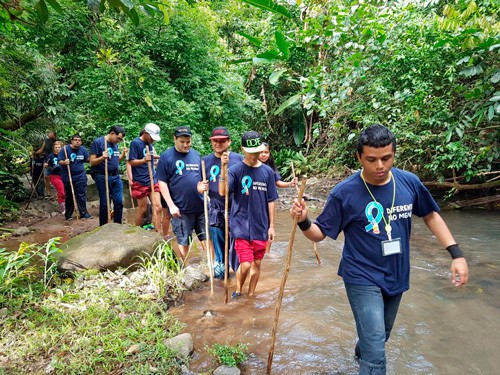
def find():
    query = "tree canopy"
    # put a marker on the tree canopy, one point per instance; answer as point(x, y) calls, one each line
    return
point(308, 74)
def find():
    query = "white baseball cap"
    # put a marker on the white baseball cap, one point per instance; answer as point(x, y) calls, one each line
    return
point(153, 130)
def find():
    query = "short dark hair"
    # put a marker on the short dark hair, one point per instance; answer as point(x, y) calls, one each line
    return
point(117, 129)
point(376, 136)
point(75, 136)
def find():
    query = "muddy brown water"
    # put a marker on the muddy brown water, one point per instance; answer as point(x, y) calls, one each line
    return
point(439, 330)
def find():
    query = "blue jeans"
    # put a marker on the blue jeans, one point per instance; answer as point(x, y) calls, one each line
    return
point(217, 236)
point(374, 313)
point(115, 195)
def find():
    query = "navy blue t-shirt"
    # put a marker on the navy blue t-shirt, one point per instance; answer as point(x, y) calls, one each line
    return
point(213, 172)
point(53, 163)
point(77, 159)
point(140, 173)
point(181, 172)
point(97, 148)
point(351, 209)
point(251, 189)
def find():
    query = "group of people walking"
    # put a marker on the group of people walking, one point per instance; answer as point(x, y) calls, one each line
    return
point(373, 208)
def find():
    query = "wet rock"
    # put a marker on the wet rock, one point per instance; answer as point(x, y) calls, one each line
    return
point(21, 231)
point(227, 370)
point(107, 247)
point(193, 277)
point(182, 343)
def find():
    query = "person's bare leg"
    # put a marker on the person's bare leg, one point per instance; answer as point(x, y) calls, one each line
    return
point(241, 276)
point(254, 276)
point(184, 249)
point(165, 223)
point(48, 190)
point(142, 208)
point(155, 200)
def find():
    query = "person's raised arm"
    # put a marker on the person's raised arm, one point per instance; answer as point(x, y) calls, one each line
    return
point(224, 160)
point(459, 268)
point(310, 230)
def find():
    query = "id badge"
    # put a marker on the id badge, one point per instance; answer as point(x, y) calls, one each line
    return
point(391, 247)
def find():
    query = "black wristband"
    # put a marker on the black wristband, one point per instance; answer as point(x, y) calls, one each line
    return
point(305, 225)
point(455, 251)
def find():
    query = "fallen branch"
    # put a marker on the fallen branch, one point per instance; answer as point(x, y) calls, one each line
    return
point(451, 185)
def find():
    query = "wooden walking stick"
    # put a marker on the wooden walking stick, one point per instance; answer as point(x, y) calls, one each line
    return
point(315, 248)
point(152, 182)
point(75, 204)
point(226, 232)
point(207, 230)
point(129, 186)
point(283, 282)
point(34, 187)
point(106, 179)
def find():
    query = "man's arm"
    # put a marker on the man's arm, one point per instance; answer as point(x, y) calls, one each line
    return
point(271, 232)
point(310, 230)
point(459, 268)
point(165, 192)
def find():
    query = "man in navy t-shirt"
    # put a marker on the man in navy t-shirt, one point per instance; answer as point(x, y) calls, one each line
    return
point(75, 155)
point(374, 208)
point(252, 191)
point(104, 150)
point(179, 174)
point(140, 154)
point(221, 141)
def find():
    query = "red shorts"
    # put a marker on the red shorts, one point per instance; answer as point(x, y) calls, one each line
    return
point(141, 191)
point(248, 251)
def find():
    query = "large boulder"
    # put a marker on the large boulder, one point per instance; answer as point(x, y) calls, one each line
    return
point(107, 247)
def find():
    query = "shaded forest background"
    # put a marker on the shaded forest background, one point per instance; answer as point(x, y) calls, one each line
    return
point(307, 74)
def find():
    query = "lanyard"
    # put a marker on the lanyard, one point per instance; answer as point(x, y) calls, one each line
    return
point(388, 227)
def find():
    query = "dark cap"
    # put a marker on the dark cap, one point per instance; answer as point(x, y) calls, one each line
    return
point(220, 132)
point(251, 142)
point(183, 131)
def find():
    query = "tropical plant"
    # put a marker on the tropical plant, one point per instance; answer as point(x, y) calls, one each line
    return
point(229, 355)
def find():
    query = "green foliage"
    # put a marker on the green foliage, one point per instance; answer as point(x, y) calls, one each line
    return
point(164, 272)
point(229, 355)
point(21, 271)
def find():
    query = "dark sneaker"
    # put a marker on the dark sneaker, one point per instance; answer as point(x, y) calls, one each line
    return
point(86, 215)
point(69, 218)
point(235, 295)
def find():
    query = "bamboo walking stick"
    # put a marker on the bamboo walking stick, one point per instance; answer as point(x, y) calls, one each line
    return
point(315, 248)
point(226, 233)
point(283, 282)
point(106, 179)
point(75, 204)
point(207, 230)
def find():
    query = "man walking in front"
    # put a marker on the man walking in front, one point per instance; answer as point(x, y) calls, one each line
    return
point(105, 150)
point(373, 208)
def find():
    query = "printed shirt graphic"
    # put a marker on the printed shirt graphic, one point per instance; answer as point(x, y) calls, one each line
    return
point(351, 209)
point(251, 189)
point(97, 148)
point(140, 173)
point(213, 172)
point(53, 163)
point(77, 159)
point(182, 172)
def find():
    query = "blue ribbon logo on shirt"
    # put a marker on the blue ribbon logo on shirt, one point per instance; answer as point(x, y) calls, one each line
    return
point(246, 182)
point(214, 171)
point(373, 220)
point(179, 164)
point(55, 161)
point(72, 156)
point(110, 152)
